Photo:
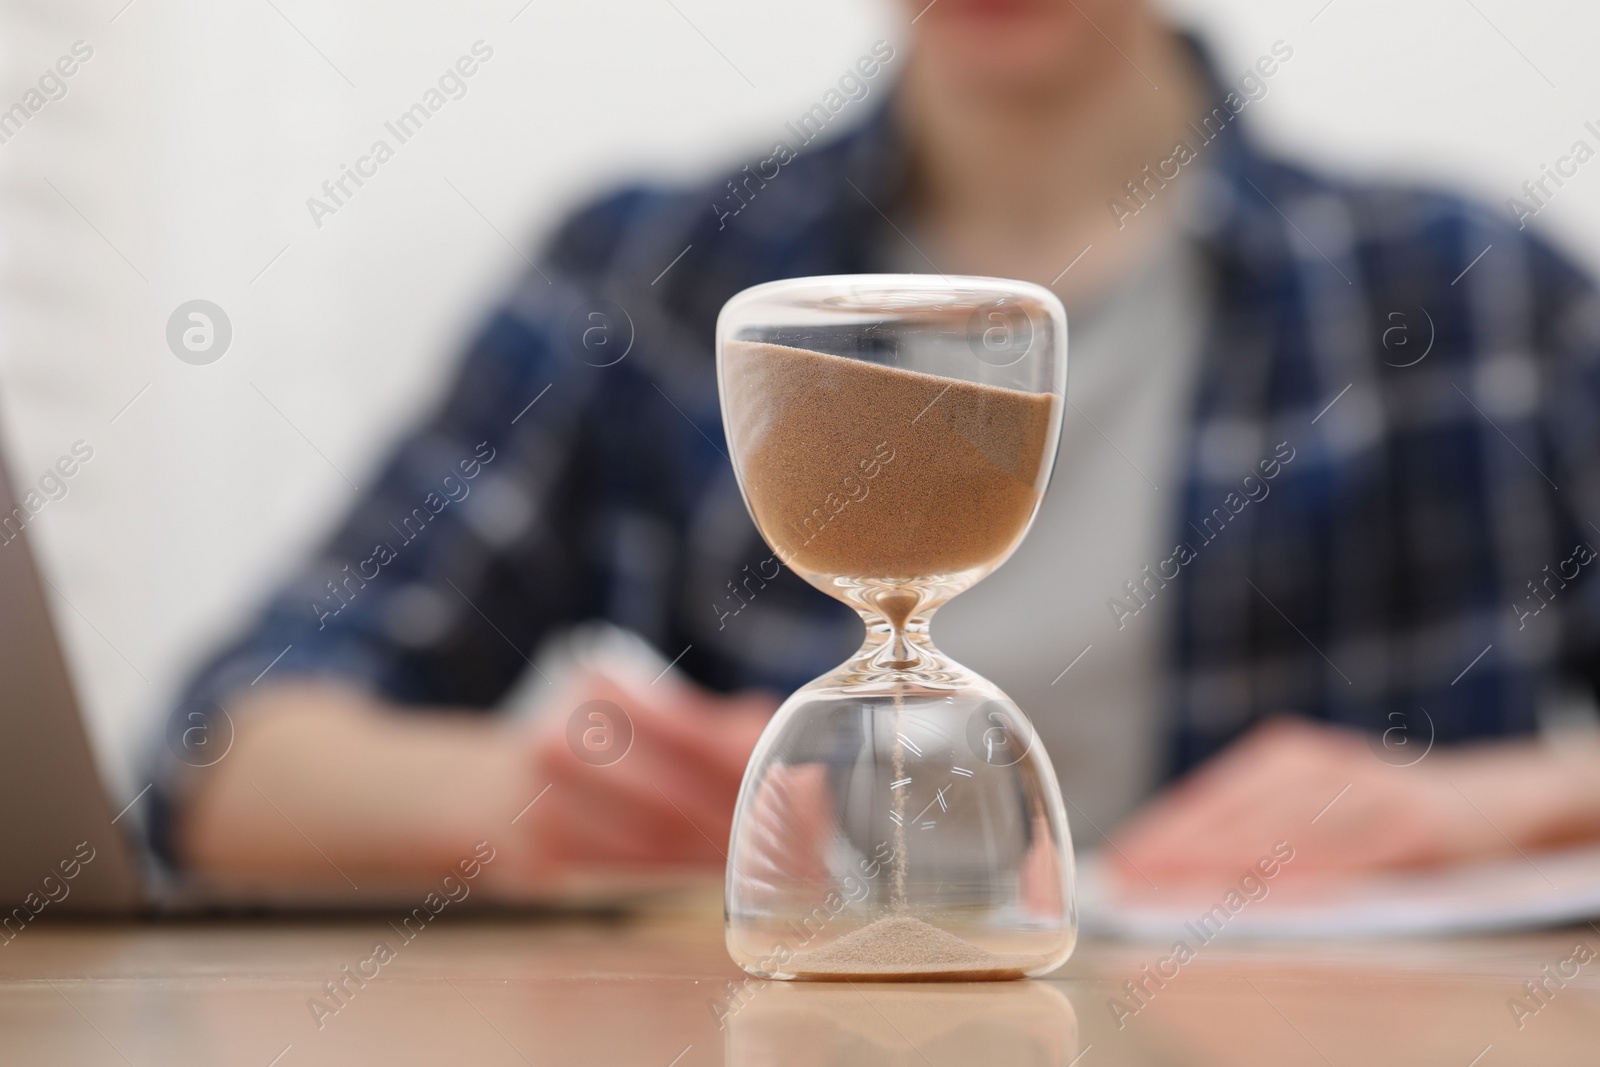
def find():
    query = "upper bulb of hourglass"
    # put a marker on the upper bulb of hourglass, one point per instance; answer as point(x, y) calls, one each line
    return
point(894, 461)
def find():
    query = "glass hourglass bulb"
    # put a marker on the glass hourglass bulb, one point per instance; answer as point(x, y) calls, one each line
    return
point(893, 436)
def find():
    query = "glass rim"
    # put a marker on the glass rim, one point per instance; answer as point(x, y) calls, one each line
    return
point(982, 287)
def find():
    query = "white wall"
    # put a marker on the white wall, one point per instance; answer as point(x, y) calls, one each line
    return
point(1448, 91)
point(191, 140)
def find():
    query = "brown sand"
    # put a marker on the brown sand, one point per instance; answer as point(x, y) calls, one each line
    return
point(904, 948)
point(810, 428)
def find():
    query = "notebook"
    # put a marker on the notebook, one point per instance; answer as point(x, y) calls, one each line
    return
point(1539, 889)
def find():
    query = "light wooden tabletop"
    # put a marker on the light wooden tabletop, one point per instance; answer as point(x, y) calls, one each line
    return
point(658, 991)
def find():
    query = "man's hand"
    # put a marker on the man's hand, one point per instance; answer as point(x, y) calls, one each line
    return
point(668, 799)
point(1343, 809)
point(324, 787)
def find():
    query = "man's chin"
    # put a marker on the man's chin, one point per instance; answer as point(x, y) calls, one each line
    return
point(1020, 50)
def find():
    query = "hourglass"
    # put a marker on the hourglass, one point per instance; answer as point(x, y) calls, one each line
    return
point(893, 436)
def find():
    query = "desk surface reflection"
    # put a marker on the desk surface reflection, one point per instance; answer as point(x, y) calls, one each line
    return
point(659, 991)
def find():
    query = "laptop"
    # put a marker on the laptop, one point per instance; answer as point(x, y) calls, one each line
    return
point(63, 847)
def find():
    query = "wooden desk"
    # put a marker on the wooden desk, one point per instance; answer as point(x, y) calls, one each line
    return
point(647, 992)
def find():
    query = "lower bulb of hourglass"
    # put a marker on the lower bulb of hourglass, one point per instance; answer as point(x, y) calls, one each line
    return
point(899, 831)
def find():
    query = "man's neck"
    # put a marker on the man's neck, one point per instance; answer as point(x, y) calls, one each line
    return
point(1019, 185)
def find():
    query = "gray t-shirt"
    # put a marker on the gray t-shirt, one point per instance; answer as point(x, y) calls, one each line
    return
point(1040, 626)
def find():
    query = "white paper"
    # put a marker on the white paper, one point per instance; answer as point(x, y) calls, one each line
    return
point(1519, 892)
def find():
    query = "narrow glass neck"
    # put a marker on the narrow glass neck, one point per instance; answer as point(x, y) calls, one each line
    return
point(906, 649)
point(898, 649)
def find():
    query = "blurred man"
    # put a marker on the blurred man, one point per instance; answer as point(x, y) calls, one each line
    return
point(1310, 469)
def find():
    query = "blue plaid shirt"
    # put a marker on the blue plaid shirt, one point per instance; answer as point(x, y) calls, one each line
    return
point(1434, 370)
